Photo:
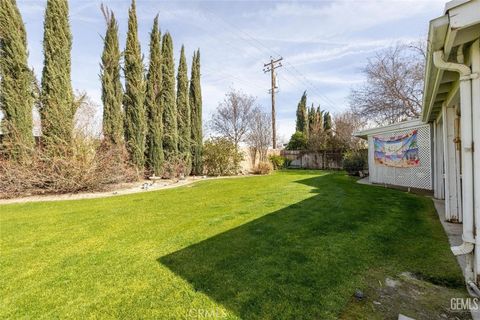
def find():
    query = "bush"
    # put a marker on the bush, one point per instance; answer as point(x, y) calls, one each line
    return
point(175, 168)
point(278, 162)
point(354, 162)
point(263, 167)
point(86, 165)
point(298, 141)
point(220, 158)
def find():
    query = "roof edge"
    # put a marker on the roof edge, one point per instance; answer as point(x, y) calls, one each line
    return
point(454, 3)
point(391, 127)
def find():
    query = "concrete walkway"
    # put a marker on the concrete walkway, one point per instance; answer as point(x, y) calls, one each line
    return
point(453, 230)
point(454, 233)
point(365, 180)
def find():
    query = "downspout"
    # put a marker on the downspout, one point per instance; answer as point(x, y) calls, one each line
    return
point(466, 77)
point(475, 60)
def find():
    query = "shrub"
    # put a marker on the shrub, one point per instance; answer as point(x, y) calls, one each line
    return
point(86, 165)
point(298, 141)
point(220, 157)
point(175, 167)
point(355, 161)
point(278, 162)
point(263, 167)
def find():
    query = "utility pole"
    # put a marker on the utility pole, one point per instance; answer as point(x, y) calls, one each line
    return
point(270, 67)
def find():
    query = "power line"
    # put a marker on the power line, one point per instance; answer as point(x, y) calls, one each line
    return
point(220, 77)
point(330, 103)
point(262, 48)
point(328, 100)
point(216, 72)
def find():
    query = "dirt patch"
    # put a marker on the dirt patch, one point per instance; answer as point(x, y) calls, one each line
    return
point(115, 190)
point(386, 298)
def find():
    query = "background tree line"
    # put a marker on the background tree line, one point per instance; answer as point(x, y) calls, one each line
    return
point(151, 123)
point(317, 130)
point(161, 115)
point(392, 92)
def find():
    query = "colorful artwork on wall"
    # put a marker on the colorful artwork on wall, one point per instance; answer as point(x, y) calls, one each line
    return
point(397, 151)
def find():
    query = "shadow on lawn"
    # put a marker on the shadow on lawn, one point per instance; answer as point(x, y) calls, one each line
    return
point(305, 260)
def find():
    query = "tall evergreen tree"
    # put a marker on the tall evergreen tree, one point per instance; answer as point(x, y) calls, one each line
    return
point(315, 122)
point(134, 97)
point(320, 116)
point(16, 89)
point(183, 111)
point(302, 115)
point(168, 103)
point(327, 121)
point(58, 108)
point(112, 94)
point(153, 105)
point(312, 119)
point(195, 100)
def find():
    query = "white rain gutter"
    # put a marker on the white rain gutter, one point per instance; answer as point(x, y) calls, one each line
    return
point(466, 77)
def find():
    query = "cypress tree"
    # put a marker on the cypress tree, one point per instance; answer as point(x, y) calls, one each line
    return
point(302, 115)
point(195, 101)
point(312, 120)
point(167, 101)
point(183, 111)
point(154, 150)
point(112, 94)
point(315, 122)
point(16, 90)
point(327, 128)
point(58, 107)
point(327, 121)
point(134, 97)
point(320, 117)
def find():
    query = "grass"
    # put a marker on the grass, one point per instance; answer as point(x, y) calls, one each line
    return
point(292, 245)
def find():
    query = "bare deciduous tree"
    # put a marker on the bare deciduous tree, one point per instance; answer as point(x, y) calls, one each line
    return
point(345, 124)
point(86, 121)
point(232, 117)
point(259, 135)
point(394, 85)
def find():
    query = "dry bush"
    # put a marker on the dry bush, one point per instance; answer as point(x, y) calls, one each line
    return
point(85, 165)
point(263, 167)
point(175, 168)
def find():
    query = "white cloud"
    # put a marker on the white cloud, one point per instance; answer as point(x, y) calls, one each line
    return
point(356, 46)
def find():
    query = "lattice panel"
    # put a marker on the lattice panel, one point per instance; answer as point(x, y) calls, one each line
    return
point(415, 177)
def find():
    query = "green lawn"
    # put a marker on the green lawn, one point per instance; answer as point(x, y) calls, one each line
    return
point(292, 245)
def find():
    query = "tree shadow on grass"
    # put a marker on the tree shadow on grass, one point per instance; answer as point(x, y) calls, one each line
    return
point(305, 260)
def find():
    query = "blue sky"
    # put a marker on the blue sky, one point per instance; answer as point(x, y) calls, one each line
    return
point(324, 44)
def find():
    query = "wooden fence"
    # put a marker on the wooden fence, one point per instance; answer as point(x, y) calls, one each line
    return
point(326, 159)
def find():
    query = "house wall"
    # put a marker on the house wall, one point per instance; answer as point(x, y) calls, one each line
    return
point(415, 177)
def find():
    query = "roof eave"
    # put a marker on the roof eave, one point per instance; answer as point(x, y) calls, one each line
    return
point(392, 127)
point(436, 38)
